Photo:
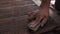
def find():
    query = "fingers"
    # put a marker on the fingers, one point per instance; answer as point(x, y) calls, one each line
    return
point(31, 15)
point(38, 19)
point(43, 22)
point(43, 19)
point(36, 22)
point(33, 24)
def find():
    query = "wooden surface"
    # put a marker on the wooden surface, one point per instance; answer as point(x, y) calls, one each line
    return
point(13, 17)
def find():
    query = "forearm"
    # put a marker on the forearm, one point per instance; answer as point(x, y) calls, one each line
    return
point(45, 4)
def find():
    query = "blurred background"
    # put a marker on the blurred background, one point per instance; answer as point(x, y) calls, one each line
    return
point(38, 2)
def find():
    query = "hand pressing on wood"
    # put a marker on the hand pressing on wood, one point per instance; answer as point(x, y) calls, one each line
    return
point(41, 16)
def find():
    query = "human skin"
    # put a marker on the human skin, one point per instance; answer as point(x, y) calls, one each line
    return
point(43, 13)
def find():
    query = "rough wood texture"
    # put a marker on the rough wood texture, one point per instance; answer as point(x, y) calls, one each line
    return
point(13, 19)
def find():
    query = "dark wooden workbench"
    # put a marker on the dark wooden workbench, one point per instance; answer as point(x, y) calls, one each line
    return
point(13, 17)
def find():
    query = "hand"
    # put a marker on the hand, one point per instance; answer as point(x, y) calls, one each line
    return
point(41, 14)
